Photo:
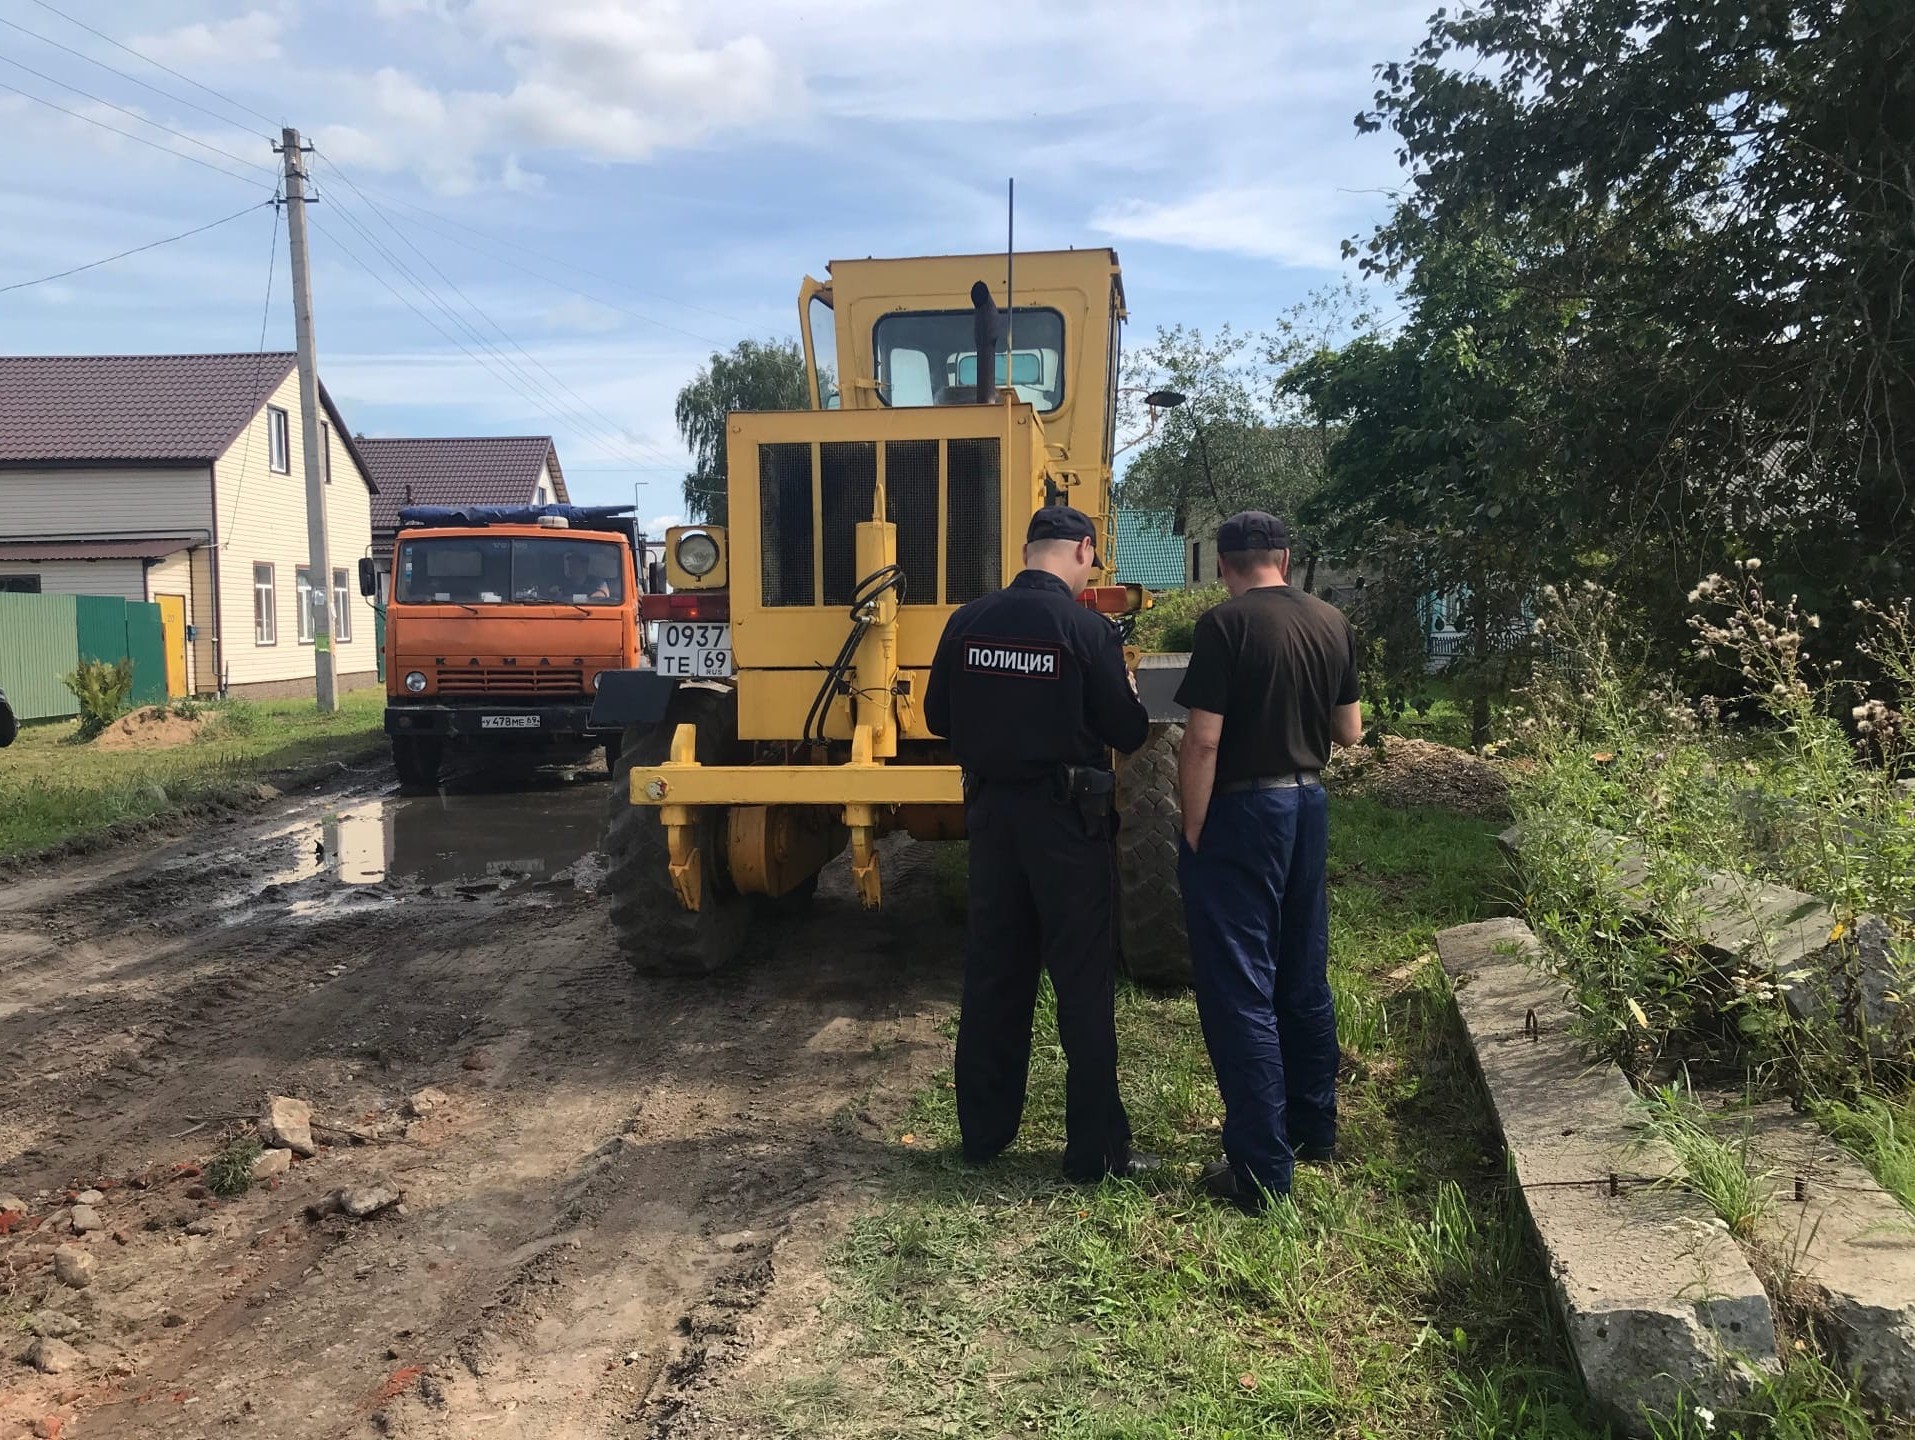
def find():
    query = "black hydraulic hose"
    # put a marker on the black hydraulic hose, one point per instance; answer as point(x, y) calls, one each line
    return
point(869, 590)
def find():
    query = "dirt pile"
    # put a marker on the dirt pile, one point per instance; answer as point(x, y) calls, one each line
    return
point(1410, 772)
point(151, 727)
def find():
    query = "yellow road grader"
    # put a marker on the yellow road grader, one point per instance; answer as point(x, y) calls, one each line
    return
point(782, 718)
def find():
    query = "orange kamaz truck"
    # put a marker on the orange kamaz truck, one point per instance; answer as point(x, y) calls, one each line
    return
point(499, 623)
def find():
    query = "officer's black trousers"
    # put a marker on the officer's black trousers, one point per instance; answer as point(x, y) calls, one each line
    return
point(1043, 896)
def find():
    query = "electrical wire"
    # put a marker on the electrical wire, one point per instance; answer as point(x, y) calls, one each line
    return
point(137, 249)
point(136, 139)
point(128, 112)
point(505, 376)
point(134, 79)
point(612, 426)
point(117, 45)
point(514, 375)
point(253, 397)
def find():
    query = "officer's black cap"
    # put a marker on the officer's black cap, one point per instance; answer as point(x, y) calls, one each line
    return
point(1061, 522)
point(1252, 530)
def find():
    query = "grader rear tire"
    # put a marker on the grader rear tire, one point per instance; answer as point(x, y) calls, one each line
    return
point(1154, 949)
point(657, 935)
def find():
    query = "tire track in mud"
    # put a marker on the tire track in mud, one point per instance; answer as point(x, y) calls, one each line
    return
point(590, 1224)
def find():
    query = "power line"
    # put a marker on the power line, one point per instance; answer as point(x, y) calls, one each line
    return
point(136, 139)
point(506, 376)
point(237, 105)
point(565, 264)
point(176, 99)
point(134, 114)
point(526, 384)
point(151, 245)
point(253, 397)
point(585, 406)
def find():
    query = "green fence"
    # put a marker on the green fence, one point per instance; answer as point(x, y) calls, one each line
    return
point(44, 637)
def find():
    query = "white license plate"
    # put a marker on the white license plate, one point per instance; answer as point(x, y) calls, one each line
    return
point(694, 650)
point(508, 722)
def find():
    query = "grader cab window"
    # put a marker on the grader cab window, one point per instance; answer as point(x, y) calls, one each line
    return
point(504, 571)
point(929, 357)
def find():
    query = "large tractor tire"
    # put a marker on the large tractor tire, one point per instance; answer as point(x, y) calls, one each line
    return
point(417, 760)
point(1154, 950)
point(658, 935)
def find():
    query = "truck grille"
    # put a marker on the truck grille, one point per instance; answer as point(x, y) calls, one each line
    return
point(509, 680)
point(802, 566)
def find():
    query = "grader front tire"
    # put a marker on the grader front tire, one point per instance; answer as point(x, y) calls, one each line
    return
point(657, 935)
point(1155, 951)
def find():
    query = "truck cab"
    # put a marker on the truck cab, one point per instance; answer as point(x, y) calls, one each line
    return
point(498, 628)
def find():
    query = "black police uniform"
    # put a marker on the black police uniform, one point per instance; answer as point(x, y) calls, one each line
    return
point(1031, 689)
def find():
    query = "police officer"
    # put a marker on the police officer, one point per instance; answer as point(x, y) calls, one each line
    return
point(1272, 685)
point(1031, 689)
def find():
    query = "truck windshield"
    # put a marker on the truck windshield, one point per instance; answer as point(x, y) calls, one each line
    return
point(929, 357)
point(483, 570)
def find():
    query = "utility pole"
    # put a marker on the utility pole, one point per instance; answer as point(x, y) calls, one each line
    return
point(319, 596)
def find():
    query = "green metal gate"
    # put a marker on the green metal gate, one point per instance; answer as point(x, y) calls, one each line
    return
point(43, 638)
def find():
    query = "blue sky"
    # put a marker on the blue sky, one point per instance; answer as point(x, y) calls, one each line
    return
point(682, 164)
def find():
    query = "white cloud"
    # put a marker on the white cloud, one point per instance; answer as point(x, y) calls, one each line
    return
point(208, 44)
point(1265, 222)
point(659, 524)
point(614, 80)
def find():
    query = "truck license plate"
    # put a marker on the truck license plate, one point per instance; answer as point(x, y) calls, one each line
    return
point(508, 722)
point(694, 651)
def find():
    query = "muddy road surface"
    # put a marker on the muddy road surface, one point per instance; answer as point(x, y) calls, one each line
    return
point(611, 1191)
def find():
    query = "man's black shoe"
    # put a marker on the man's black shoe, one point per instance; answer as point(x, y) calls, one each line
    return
point(1220, 1179)
point(1318, 1152)
point(1141, 1162)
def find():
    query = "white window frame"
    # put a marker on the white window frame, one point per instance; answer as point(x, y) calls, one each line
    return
point(341, 606)
point(265, 604)
point(279, 441)
point(325, 451)
point(303, 601)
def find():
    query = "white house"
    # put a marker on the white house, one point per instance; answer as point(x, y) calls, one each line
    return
point(180, 479)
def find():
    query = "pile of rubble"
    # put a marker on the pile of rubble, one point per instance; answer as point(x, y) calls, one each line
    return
point(1403, 773)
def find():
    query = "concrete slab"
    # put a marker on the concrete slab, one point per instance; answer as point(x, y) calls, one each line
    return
point(1656, 1298)
point(1847, 1247)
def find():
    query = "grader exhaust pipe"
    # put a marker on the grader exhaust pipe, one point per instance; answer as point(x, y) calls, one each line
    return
point(984, 331)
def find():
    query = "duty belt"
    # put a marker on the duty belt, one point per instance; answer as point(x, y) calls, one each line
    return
point(1295, 780)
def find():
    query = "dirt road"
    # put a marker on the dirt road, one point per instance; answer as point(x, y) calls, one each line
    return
point(629, 1188)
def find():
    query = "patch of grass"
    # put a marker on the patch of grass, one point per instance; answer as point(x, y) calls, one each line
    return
point(231, 1171)
point(1714, 1168)
point(1882, 1135)
point(52, 791)
point(1396, 1297)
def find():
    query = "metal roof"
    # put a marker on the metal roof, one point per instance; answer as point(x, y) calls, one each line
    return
point(1146, 552)
point(457, 470)
point(96, 549)
point(137, 409)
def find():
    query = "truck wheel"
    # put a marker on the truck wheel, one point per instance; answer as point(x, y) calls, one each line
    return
point(611, 744)
point(657, 935)
point(417, 761)
point(1153, 948)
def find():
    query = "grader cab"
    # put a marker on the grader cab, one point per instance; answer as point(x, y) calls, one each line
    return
point(782, 721)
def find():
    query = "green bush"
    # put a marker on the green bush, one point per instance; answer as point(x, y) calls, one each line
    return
point(1169, 624)
point(103, 691)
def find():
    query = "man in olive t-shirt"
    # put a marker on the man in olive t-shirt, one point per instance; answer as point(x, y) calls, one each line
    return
point(1272, 685)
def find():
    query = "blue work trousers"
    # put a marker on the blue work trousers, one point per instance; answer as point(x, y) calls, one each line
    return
point(1257, 906)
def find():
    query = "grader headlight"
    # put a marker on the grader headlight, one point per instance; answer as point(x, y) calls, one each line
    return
point(695, 557)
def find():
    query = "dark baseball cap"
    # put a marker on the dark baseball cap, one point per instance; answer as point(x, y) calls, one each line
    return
point(1252, 530)
point(1061, 522)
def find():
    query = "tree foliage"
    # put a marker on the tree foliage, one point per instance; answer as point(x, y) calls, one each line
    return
point(753, 375)
point(1656, 254)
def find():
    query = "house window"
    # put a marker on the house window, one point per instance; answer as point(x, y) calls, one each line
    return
point(341, 608)
point(279, 450)
point(1196, 559)
point(303, 578)
point(325, 452)
point(19, 584)
point(265, 600)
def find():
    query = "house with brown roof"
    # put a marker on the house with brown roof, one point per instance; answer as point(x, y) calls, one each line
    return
point(180, 479)
point(455, 470)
